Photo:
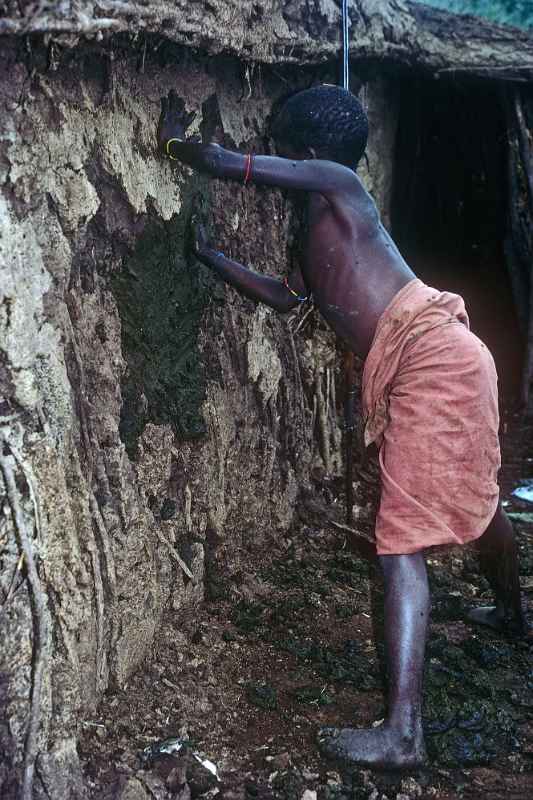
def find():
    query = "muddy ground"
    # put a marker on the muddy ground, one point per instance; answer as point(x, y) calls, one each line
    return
point(292, 643)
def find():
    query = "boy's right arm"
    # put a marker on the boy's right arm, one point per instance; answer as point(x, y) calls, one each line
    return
point(260, 288)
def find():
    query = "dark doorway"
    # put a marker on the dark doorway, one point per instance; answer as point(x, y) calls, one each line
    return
point(449, 212)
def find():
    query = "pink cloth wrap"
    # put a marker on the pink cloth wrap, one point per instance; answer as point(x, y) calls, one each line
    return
point(430, 403)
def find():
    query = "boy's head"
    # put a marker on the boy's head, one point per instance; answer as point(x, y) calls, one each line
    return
point(324, 121)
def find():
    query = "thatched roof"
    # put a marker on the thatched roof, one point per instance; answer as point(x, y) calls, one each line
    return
point(286, 31)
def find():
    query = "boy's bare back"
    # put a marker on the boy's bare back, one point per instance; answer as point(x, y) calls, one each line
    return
point(350, 263)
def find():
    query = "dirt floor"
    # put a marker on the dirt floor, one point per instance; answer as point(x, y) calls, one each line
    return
point(294, 644)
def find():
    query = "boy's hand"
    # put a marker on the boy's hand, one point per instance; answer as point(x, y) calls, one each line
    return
point(173, 122)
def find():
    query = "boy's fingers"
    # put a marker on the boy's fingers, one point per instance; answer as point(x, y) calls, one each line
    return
point(170, 101)
point(176, 104)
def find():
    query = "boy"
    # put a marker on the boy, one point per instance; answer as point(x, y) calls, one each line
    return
point(429, 386)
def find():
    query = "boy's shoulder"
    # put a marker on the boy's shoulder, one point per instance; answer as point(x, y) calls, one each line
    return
point(350, 196)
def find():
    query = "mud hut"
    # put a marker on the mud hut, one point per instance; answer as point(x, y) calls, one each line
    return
point(155, 426)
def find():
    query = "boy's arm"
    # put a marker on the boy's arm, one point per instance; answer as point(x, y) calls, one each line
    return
point(311, 175)
point(280, 295)
point(314, 175)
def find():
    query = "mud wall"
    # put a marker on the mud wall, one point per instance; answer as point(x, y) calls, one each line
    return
point(153, 422)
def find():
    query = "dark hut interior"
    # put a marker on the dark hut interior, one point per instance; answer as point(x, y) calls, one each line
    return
point(449, 213)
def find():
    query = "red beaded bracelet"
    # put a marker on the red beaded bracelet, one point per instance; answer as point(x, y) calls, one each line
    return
point(248, 168)
point(294, 294)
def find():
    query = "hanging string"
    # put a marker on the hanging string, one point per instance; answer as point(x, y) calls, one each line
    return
point(345, 46)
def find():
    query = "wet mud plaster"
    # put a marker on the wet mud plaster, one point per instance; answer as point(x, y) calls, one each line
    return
point(161, 294)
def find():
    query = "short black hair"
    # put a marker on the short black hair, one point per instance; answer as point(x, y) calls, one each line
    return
point(329, 119)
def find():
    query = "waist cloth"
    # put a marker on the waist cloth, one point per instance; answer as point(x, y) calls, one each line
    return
point(430, 404)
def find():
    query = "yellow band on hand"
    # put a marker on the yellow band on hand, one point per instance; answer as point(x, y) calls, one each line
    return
point(169, 154)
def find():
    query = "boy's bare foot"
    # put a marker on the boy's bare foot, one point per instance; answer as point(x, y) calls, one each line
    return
point(495, 618)
point(381, 748)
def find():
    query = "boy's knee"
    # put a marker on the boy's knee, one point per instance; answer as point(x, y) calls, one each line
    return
point(412, 564)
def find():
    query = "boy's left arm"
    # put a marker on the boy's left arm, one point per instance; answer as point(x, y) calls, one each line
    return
point(307, 175)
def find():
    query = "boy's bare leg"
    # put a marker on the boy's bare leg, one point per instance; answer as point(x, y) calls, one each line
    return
point(399, 741)
point(498, 553)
